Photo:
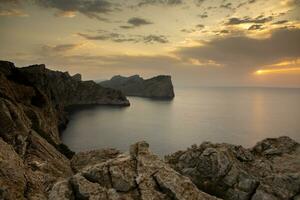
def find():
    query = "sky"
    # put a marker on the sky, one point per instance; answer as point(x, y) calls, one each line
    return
point(197, 42)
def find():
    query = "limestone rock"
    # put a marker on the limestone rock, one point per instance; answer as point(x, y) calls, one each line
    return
point(32, 103)
point(140, 175)
point(82, 159)
point(156, 87)
point(270, 170)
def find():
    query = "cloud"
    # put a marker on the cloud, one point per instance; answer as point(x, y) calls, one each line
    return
point(255, 27)
point(258, 20)
point(243, 52)
point(155, 39)
point(136, 21)
point(61, 49)
point(91, 8)
point(11, 8)
point(160, 2)
point(281, 22)
point(119, 38)
point(203, 16)
point(226, 6)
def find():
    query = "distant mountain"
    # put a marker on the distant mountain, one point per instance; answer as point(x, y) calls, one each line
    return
point(157, 87)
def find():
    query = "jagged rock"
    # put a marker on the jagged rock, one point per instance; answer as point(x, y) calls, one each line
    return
point(77, 77)
point(32, 102)
point(156, 87)
point(140, 175)
point(270, 170)
point(12, 173)
point(82, 159)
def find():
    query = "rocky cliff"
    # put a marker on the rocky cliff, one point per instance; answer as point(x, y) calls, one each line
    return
point(156, 87)
point(32, 102)
point(35, 165)
point(268, 171)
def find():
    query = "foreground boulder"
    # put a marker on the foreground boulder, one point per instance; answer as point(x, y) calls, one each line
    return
point(140, 175)
point(156, 87)
point(268, 171)
point(32, 113)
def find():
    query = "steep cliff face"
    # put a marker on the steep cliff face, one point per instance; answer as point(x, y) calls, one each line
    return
point(268, 171)
point(32, 102)
point(156, 87)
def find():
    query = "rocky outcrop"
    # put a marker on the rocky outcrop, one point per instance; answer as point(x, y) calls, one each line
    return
point(140, 175)
point(268, 171)
point(156, 87)
point(32, 102)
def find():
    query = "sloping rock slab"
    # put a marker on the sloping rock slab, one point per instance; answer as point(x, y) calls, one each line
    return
point(140, 175)
point(270, 170)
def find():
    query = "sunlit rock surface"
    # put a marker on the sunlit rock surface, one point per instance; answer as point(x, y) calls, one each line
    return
point(139, 175)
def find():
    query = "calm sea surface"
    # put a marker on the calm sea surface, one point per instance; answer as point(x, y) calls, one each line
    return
point(232, 115)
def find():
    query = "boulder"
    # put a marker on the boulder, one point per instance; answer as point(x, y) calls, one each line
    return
point(139, 175)
point(269, 170)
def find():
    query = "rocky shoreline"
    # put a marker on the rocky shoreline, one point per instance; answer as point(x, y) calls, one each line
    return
point(34, 164)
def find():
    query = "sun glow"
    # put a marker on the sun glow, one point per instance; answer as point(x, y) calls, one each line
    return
point(278, 71)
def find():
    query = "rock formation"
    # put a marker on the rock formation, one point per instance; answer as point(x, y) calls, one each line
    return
point(156, 87)
point(35, 165)
point(138, 176)
point(268, 171)
point(32, 102)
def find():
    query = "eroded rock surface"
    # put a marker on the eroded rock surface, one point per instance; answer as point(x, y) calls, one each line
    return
point(270, 170)
point(32, 102)
point(137, 176)
point(156, 87)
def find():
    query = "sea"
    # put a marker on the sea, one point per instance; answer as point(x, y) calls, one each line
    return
point(241, 116)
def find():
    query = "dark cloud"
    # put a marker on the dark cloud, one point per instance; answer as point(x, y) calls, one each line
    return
point(200, 26)
point(226, 6)
point(258, 20)
point(224, 31)
point(281, 22)
point(244, 52)
point(91, 8)
point(255, 27)
point(119, 38)
point(160, 2)
point(203, 16)
point(126, 27)
point(155, 39)
point(136, 21)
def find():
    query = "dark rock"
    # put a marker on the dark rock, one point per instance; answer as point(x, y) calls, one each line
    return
point(270, 170)
point(156, 87)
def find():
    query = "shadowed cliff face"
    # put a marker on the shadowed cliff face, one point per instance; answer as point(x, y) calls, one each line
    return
point(156, 87)
point(32, 102)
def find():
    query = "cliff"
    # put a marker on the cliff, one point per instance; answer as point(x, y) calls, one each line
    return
point(32, 102)
point(156, 87)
